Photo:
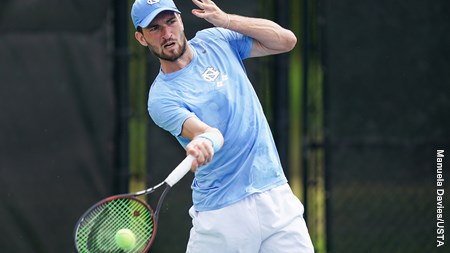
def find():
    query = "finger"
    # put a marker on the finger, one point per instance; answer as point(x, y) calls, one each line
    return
point(199, 13)
point(207, 6)
point(204, 1)
point(192, 150)
point(200, 4)
point(200, 157)
point(194, 166)
point(207, 152)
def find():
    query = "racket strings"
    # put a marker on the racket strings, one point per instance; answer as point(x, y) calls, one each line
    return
point(96, 232)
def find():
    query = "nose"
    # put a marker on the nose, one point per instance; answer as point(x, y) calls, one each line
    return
point(166, 32)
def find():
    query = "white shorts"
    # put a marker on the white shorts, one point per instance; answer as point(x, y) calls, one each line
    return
point(268, 222)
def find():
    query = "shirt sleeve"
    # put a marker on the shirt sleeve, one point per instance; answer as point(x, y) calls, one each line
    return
point(168, 113)
point(240, 43)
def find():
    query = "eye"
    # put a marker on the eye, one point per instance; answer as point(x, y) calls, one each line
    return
point(152, 28)
point(171, 21)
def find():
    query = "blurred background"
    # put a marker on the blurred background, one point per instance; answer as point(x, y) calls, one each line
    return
point(358, 110)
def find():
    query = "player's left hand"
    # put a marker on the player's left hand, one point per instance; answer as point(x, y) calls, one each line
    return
point(211, 13)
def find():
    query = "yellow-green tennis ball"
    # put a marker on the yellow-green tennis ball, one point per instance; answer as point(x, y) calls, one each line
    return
point(125, 239)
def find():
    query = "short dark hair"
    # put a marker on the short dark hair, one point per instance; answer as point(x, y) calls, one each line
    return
point(139, 29)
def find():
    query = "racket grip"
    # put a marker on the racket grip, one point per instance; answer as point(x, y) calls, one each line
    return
point(180, 171)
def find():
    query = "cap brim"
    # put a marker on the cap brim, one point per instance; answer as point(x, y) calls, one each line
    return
point(152, 15)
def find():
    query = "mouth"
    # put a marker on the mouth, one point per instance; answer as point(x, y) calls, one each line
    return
point(169, 44)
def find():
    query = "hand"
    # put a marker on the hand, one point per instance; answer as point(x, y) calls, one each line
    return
point(211, 13)
point(202, 150)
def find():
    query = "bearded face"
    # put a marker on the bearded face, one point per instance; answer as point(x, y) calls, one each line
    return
point(164, 36)
point(171, 49)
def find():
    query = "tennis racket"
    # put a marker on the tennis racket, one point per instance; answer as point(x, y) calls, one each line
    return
point(124, 223)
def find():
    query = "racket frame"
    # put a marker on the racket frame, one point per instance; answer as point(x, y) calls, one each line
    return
point(178, 173)
point(115, 197)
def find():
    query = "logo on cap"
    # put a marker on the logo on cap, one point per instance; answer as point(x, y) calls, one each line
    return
point(152, 1)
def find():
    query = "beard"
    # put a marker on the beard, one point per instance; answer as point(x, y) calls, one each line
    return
point(170, 58)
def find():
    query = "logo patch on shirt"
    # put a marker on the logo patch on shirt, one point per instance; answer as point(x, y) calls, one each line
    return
point(222, 81)
point(210, 74)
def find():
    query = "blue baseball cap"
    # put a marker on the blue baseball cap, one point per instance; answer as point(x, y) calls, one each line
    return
point(144, 11)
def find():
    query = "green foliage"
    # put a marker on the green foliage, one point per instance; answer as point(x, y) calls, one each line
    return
point(138, 118)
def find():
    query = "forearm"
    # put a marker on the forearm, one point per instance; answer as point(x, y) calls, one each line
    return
point(193, 127)
point(270, 38)
point(205, 141)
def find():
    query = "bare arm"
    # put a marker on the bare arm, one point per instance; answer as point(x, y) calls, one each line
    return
point(269, 37)
point(200, 148)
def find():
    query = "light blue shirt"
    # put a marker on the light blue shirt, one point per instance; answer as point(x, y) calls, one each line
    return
point(215, 88)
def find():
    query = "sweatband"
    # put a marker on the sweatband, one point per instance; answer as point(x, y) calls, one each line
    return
point(214, 138)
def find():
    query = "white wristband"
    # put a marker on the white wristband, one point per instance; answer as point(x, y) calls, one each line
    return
point(214, 138)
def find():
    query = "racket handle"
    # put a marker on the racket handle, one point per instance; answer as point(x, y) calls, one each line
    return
point(178, 173)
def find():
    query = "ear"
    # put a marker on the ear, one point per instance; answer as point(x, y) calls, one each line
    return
point(140, 37)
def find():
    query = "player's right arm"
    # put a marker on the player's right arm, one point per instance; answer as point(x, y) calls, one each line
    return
point(201, 148)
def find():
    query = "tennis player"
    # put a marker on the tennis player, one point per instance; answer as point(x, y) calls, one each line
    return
point(203, 97)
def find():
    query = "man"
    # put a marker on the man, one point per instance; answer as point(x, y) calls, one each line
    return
point(202, 96)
